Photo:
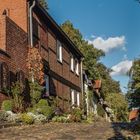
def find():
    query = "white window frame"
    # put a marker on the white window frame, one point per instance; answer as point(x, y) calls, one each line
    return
point(72, 63)
point(78, 99)
point(72, 97)
point(59, 51)
point(76, 67)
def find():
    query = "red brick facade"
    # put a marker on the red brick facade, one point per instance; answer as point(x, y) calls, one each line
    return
point(14, 47)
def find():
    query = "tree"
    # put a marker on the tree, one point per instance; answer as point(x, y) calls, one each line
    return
point(134, 85)
point(119, 105)
point(44, 4)
point(91, 54)
point(96, 70)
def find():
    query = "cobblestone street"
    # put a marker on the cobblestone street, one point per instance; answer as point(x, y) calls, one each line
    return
point(57, 131)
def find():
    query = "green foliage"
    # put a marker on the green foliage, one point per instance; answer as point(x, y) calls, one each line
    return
point(91, 62)
point(91, 54)
point(61, 119)
point(3, 116)
point(26, 118)
point(44, 4)
point(133, 95)
point(42, 107)
point(42, 102)
point(90, 118)
point(76, 115)
point(17, 92)
point(100, 110)
point(119, 106)
point(7, 105)
point(35, 92)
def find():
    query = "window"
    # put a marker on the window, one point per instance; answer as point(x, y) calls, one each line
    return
point(75, 98)
point(72, 97)
point(46, 84)
point(78, 99)
point(72, 63)
point(59, 51)
point(4, 76)
point(21, 79)
point(77, 67)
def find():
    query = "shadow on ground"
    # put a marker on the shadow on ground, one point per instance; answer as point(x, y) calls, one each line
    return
point(123, 131)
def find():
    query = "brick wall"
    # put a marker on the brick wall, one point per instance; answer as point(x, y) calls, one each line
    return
point(16, 46)
point(16, 10)
point(15, 52)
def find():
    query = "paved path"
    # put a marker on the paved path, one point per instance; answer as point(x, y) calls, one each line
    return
point(58, 131)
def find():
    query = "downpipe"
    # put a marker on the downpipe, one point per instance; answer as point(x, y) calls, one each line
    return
point(31, 23)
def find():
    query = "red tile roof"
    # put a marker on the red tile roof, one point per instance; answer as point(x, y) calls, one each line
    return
point(133, 114)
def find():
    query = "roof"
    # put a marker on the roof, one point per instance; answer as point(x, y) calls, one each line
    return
point(133, 114)
point(97, 84)
point(49, 20)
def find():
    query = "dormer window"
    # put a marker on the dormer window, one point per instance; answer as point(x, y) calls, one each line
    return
point(59, 51)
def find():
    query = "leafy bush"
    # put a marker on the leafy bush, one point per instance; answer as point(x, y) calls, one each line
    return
point(35, 92)
point(2, 116)
point(90, 118)
point(7, 105)
point(42, 107)
point(26, 118)
point(76, 115)
point(42, 102)
point(100, 110)
point(17, 92)
point(61, 119)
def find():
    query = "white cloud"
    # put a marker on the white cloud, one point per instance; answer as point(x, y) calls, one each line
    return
point(108, 44)
point(121, 68)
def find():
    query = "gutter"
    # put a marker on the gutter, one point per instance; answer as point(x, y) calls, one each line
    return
point(31, 23)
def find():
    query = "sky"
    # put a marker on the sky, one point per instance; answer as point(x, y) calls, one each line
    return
point(110, 25)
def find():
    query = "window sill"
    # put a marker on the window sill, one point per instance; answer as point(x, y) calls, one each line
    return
point(72, 71)
point(59, 61)
point(77, 74)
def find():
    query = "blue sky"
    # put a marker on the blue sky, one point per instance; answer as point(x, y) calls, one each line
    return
point(111, 25)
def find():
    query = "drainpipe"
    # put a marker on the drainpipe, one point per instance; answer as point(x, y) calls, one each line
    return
point(31, 23)
point(82, 87)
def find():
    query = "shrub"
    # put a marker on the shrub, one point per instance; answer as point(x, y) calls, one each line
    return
point(35, 92)
point(42, 102)
point(90, 118)
point(7, 105)
point(76, 115)
point(2, 116)
point(61, 119)
point(26, 118)
point(100, 110)
point(42, 107)
point(17, 92)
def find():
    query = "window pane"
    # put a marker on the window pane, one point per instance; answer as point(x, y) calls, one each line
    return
point(78, 99)
point(72, 63)
point(59, 51)
point(47, 85)
point(72, 96)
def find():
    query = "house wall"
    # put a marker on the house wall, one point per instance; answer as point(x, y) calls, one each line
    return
point(62, 79)
point(15, 52)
